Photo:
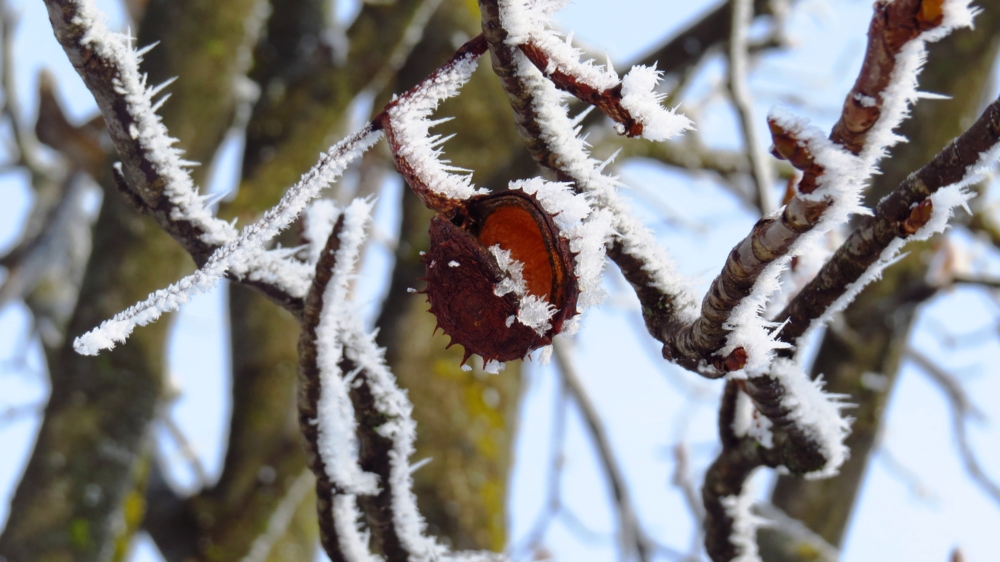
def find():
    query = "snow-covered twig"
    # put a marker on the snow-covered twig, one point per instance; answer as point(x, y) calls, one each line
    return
point(356, 420)
point(631, 101)
point(154, 177)
point(806, 435)
point(416, 153)
point(919, 207)
point(152, 165)
point(745, 524)
point(417, 156)
point(236, 253)
point(835, 171)
point(326, 413)
point(913, 211)
point(552, 138)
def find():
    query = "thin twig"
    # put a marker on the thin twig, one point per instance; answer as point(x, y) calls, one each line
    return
point(962, 409)
point(743, 101)
point(907, 475)
point(805, 538)
point(412, 35)
point(24, 139)
point(536, 535)
point(632, 535)
point(187, 451)
point(281, 517)
point(682, 480)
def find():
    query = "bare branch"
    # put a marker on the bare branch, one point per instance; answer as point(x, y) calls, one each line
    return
point(534, 538)
point(689, 155)
point(278, 524)
point(30, 259)
point(24, 139)
point(962, 409)
point(791, 537)
point(187, 451)
point(412, 35)
point(743, 100)
point(687, 48)
point(630, 531)
point(682, 480)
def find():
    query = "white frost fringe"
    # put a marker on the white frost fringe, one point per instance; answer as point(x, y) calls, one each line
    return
point(842, 183)
point(531, 21)
point(234, 254)
point(586, 231)
point(817, 411)
point(745, 525)
point(159, 150)
point(244, 255)
point(156, 142)
point(944, 202)
point(337, 442)
point(611, 218)
point(341, 328)
point(411, 125)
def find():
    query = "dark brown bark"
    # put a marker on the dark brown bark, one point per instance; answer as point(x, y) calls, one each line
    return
point(695, 346)
point(877, 324)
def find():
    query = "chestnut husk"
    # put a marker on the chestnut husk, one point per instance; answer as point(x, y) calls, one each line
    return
point(462, 296)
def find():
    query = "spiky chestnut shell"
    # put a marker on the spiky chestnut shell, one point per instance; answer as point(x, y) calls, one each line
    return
point(462, 274)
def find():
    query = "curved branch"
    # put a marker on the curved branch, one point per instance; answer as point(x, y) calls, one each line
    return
point(897, 217)
point(309, 394)
point(863, 131)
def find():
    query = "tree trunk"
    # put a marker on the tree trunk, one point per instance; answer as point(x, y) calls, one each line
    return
point(68, 505)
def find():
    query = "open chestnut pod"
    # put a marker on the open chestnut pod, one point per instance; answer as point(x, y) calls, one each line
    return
point(500, 276)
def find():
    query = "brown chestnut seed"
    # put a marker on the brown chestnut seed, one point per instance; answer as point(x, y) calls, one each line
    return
point(462, 274)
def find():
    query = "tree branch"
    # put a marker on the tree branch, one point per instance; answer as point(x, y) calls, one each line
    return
point(897, 217)
point(962, 409)
point(742, 98)
point(775, 237)
point(631, 534)
point(309, 396)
